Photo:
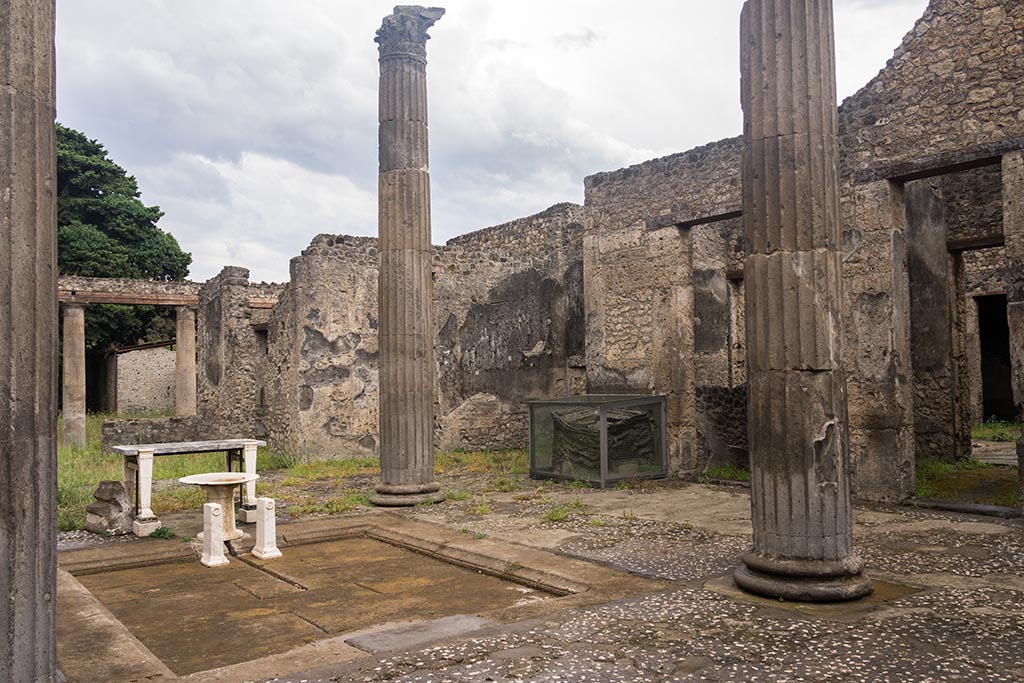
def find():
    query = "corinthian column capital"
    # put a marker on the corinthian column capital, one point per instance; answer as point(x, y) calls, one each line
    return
point(404, 33)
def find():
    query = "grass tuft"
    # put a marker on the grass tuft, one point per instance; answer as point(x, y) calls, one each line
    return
point(457, 495)
point(727, 473)
point(967, 481)
point(996, 430)
point(515, 462)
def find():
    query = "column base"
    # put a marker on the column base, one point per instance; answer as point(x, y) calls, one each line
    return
point(407, 495)
point(144, 527)
point(269, 555)
point(803, 580)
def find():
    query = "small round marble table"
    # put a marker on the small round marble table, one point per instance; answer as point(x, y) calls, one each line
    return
point(220, 488)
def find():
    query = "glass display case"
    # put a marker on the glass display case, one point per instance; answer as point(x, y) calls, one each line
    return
point(598, 438)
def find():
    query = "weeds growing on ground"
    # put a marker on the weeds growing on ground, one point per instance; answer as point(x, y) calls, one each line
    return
point(969, 481)
point(483, 462)
point(561, 511)
point(557, 513)
point(79, 471)
point(505, 484)
point(996, 430)
point(727, 473)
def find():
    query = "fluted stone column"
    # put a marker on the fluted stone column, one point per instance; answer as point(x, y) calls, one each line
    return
point(1013, 231)
point(799, 450)
point(28, 343)
point(73, 393)
point(406, 328)
point(185, 362)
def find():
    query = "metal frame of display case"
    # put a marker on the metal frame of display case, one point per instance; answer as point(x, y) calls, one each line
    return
point(603, 403)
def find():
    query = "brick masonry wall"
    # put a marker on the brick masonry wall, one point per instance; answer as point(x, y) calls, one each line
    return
point(317, 376)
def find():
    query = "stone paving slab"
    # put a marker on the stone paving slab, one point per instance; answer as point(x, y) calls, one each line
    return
point(950, 605)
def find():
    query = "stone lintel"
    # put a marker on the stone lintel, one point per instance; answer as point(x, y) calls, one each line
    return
point(67, 296)
point(693, 218)
point(986, 154)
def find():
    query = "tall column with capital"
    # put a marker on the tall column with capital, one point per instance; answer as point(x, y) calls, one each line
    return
point(73, 392)
point(185, 362)
point(28, 343)
point(799, 448)
point(405, 295)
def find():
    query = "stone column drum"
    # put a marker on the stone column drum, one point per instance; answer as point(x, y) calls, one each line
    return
point(1013, 231)
point(185, 362)
point(799, 450)
point(28, 343)
point(73, 393)
point(405, 293)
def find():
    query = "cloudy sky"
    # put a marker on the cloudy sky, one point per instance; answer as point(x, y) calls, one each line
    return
point(253, 123)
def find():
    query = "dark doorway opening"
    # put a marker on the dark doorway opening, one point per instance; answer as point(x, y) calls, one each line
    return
point(994, 336)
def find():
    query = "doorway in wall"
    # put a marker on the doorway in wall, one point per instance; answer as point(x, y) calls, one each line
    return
point(994, 343)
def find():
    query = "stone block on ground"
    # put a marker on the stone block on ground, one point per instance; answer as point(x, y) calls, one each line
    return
point(111, 513)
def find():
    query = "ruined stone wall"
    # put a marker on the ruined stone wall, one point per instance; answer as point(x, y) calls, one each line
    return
point(226, 356)
point(508, 316)
point(122, 432)
point(973, 205)
point(145, 380)
point(509, 313)
point(987, 271)
point(937, 322)
point(645, 277)
point(956, 81)
point(317, 383)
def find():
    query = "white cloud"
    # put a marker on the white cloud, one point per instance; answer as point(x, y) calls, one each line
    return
point(252, 212)
point(253, 122)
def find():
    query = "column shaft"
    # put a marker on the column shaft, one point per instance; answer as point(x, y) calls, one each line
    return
point(73, 394)
point(405, 294)
point(1013, 232)
point(799, 449)
point(185, 362)
point(28, 343)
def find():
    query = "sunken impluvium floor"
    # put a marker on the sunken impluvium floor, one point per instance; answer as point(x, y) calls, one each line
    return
point(544, 583)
